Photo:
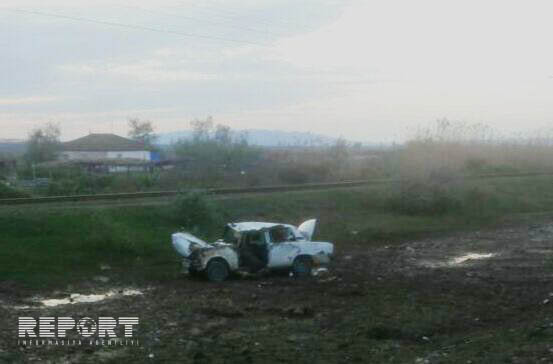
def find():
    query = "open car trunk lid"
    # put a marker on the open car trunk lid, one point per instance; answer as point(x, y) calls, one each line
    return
point(307, 228)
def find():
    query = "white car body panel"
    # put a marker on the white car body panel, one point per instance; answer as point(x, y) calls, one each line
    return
point(282, 255)
point(225, 252)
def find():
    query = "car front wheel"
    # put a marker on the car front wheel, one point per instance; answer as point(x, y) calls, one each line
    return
point(217, 270)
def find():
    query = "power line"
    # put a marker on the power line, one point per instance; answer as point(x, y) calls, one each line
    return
point(225, 24)
point(130, 26)
point(226, 14)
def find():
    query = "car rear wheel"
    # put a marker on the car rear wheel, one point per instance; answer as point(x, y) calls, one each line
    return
point(217, 270)
point(302, 267)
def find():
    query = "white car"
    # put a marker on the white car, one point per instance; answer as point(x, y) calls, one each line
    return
point(253, 246)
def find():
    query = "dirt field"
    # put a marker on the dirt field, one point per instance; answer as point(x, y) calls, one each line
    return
point(466, 298)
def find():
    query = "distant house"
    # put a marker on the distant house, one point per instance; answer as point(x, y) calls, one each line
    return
point(107, 152)
point(104, 146)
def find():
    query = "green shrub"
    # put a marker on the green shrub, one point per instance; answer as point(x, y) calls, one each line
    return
point(62, 188)
point(146, 181)
point(9, 192)
point(195, 212)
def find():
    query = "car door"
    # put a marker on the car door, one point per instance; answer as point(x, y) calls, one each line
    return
point(281, 252)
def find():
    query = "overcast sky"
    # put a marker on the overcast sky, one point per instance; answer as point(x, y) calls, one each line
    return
point(365, 70)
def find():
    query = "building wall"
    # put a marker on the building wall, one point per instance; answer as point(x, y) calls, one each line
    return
point(69, 155)
point(142, 155)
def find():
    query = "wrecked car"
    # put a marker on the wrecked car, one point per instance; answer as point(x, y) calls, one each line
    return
point(252, 247)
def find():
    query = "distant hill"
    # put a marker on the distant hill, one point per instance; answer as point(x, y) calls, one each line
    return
point(262, 137)
point(12, 146)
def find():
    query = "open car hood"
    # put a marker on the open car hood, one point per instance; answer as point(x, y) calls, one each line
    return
point(184, 243)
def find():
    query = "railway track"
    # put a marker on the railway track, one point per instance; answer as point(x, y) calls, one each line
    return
point(232, 191)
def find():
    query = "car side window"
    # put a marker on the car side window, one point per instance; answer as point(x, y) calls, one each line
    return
point(281, 234)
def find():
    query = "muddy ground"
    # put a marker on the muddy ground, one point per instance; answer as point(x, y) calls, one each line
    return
point(466, 298)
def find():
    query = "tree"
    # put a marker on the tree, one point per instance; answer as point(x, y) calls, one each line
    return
point(201, 129)
point(43, 143)
point(142, 131)
point(223, 134)
point(339, 151)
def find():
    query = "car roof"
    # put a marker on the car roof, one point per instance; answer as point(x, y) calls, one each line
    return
point(255, 225)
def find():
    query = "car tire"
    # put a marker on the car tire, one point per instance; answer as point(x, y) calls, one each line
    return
point(302, 267)
point(217, 270)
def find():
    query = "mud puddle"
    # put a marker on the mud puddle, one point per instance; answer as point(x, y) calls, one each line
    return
point(75, 298)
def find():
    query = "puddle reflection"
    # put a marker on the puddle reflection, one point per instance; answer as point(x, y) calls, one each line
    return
point(470, 256)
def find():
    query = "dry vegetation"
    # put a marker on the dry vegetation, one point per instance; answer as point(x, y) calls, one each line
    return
point(460, 149)
point(435, 164)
